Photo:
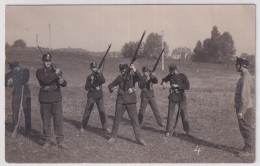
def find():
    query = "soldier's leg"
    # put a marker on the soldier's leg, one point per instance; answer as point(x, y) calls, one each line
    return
point(143, 105)
point(120, 109)
point(171, 109)
point(46, 116)
point(102, 113)
point(185, 123)
point(132, 112)
point(27, 113)
point(15, 108)
point(87, 112)
point(156, 112)
point(247, 130)
point(58, 121)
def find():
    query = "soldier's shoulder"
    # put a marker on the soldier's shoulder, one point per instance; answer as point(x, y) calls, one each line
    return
point(182, 75)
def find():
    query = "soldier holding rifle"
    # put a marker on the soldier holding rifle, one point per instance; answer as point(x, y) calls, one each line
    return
point(147, 94)
point(95, 95)
point(51, 80)
point(179, 83)
point(126, 97)
point(18, 78)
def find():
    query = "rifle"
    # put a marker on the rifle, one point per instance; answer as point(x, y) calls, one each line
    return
point(135, 55)
point(103, 59)
point(52, 65)
point(16, 128)
point(156, 64)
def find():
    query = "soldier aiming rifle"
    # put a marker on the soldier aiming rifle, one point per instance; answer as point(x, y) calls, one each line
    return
point(93, 85)
point(147, 94)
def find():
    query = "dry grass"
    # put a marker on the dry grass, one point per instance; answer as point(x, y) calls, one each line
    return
point(212, 118)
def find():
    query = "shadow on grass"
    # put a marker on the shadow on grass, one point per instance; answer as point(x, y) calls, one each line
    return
point(34, 136)
point(151, 129)
point(198, 141)
point(95, 130)
point(124, 121)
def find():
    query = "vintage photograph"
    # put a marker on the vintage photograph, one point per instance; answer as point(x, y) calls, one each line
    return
point(130, 83)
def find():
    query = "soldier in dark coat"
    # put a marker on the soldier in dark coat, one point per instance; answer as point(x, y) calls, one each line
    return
point(178, 84)
point(17, 78)
point(147, 96)
point(95, 95)
point(126, 100)
point(244, 107)
point(51, 80)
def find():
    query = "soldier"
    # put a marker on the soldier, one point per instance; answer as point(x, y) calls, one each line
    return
point(178, 84)
point(147, 96)
point(51, 80)
point(244, 107)
point(126, 100)
point(17, 78)
point(95, 95)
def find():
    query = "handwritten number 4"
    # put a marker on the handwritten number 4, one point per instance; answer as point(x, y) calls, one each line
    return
point(197, 149)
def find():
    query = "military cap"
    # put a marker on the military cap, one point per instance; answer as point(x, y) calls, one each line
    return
point(241, 61)
point(172, 67)
point(13, 65)
point(145, 69)
point(93, 65)
point(123, 66)
point(46, 57)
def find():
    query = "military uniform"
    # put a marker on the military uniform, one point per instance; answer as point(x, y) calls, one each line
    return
point(93, 81)
point(20, 78)
point(51, 102)
point(147, 96)
point(126, 100)
point(244, 106)
point(177, 96)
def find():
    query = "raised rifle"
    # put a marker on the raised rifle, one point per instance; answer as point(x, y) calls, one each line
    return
point(102, 63)
point(135, 55)
point(156, 64)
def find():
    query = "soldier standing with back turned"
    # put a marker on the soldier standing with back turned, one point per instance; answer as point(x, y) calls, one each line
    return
point(50, 99)
point(178, 84)
point(244, 107)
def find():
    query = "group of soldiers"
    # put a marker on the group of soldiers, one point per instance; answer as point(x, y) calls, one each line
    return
point(51, 80)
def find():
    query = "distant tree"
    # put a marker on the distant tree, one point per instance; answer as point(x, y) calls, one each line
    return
point(250, 58)
point(128, 50)
point(218, 48)
point(19, 44)
point(153, 45)
point(7, 45)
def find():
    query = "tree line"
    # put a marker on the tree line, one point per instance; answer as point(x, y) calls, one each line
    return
point(17, 44)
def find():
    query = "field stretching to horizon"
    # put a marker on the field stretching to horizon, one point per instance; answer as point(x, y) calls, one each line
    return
point(214, 135)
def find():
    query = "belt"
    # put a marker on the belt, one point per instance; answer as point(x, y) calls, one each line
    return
point(121, 91)
point(48, 88)
point(174, 91)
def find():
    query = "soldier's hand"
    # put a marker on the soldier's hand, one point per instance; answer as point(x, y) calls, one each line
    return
point(175, 85)
point(97, 88)
point(58, 71)
point(130, 90)
point(132, 66)
point(240, 116)
point(10, 81)
point(147, 78)
point(61, 81)
point(98, 71)
point(163, 85)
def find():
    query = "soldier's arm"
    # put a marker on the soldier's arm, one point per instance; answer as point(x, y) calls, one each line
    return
point(89, 85)
point(46, 78)
point(142, 83)
point(184, 83)
point(116, 82)
point(154, 79)
point(64, 84)
point(102, 79)
point(137, 76)
point(245, 95)
point(166, 79)
point(7, 77)
point(25, 76)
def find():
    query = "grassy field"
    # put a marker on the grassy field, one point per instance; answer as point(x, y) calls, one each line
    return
point(214, 136)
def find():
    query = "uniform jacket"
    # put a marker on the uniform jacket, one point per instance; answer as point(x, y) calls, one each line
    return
point(94, 80)
point(147, 86)
point(243, 96)
point(123, 97)
point(20, 78)
point(177, 94)
point(50, 87)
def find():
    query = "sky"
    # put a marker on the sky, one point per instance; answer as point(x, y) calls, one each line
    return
point(94, 27)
